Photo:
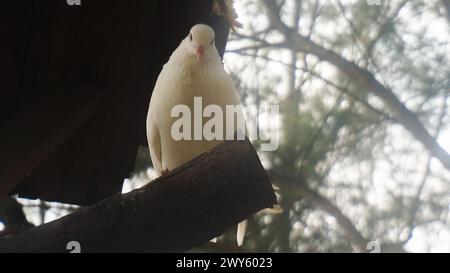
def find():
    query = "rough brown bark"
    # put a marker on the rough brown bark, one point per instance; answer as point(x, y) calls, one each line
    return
point(176, 212)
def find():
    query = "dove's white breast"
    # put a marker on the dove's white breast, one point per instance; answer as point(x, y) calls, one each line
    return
point(178, 84)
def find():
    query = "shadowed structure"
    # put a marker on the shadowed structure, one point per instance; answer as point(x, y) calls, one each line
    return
point(75, 90)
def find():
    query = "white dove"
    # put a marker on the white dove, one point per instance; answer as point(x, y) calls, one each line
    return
point(194, 70)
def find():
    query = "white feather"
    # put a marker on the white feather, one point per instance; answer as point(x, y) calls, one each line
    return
point(242, 227)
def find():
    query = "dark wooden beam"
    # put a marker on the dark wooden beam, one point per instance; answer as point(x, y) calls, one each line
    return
point(121, 46)
point(176, 212)
point(30, 137)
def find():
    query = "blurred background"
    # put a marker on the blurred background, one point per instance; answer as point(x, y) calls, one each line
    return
point(364, 90)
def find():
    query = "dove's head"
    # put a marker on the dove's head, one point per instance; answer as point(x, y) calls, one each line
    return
point(201, 41)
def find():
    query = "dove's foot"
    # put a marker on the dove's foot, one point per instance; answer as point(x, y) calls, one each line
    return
point(165, 171)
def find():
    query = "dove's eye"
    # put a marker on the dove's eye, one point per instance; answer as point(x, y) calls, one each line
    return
point(212, 42)
point(190, 37)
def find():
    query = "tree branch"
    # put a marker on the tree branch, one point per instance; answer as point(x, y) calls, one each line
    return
point(446, 4)
point(406, 117)
point(326, 81)
point(411, 220)
point(301, 190)
point(175, 212)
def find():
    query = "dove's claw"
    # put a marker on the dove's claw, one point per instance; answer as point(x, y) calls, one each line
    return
point(165, 171)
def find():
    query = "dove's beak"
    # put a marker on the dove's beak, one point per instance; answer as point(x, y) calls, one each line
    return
point(199, 51)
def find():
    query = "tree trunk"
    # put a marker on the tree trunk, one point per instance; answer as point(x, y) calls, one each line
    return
point(176, 212)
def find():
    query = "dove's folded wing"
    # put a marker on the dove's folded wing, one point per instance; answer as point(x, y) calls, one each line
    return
point(154, 142)
point(242, 227)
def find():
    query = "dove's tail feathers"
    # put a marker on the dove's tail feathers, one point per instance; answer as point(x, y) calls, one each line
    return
point(154, 144)
point(242, 227)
